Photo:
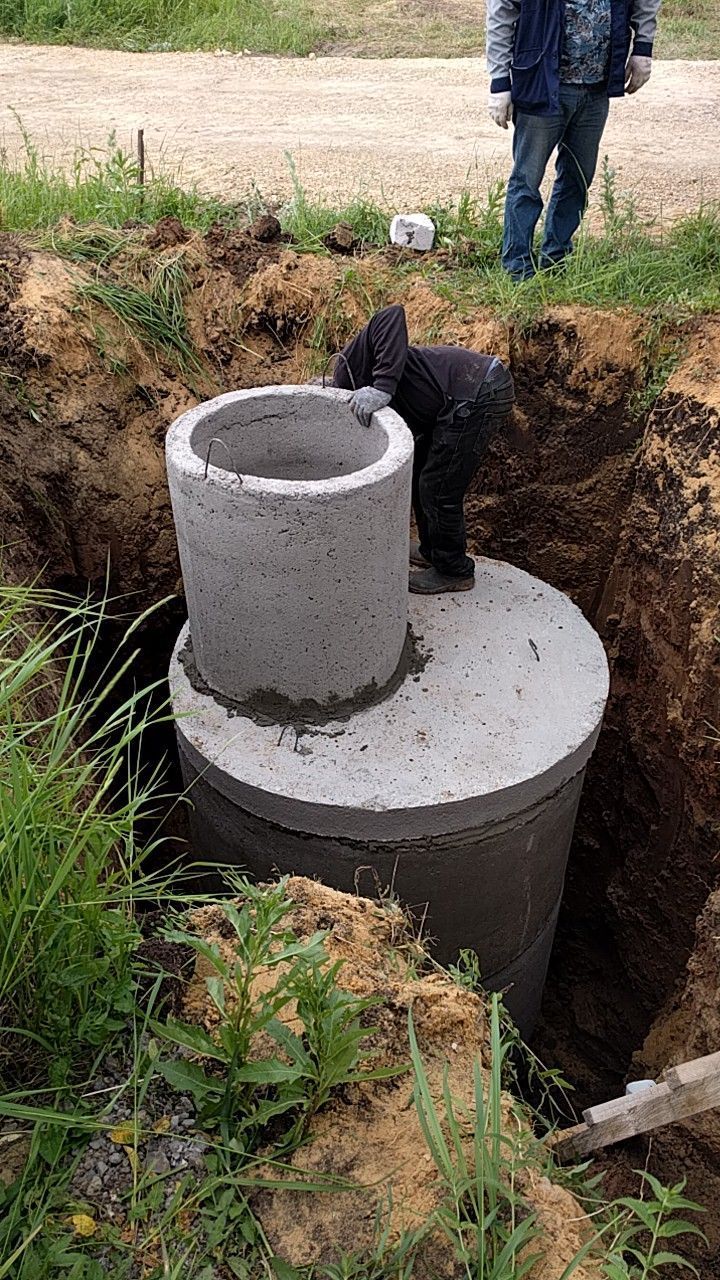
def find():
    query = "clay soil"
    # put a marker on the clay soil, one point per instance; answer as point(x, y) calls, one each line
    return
point(616, 507)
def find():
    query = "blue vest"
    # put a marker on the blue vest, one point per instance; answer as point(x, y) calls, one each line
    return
point(536, 54)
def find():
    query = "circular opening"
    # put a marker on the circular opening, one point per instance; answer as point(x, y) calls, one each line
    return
point(288, 437)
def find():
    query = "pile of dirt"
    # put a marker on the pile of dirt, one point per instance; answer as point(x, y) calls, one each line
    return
point(369, 1133)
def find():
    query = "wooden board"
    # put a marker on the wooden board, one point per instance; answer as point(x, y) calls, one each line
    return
point(686, 1090)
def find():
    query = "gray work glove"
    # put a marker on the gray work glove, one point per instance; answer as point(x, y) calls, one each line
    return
point(637, 73)
point(366, 402)
point(501, 108)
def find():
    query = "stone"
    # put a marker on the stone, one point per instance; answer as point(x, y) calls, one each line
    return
point(413, 231)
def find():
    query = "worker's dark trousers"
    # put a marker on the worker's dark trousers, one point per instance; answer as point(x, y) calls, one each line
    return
point(444, 464)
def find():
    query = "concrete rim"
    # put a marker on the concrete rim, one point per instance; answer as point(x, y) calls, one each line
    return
point(488, 750)
point(181, 455)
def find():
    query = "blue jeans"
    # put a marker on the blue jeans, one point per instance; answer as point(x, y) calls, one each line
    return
point(576, 131)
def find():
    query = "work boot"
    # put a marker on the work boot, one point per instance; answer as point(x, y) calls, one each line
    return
point(417, 559)
point(428, 582)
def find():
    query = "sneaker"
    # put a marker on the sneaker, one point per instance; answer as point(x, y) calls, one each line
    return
point(417, 558)
point(428, 582)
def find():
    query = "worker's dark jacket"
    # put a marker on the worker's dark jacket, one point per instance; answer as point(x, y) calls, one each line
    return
point(535, 69)
point(426, 383)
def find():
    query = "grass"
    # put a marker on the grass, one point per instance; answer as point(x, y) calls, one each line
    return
point(101, 187)
point(627, 262)
point(156, 313)
point(620, 261)
point(688, 28)
point(69, 807)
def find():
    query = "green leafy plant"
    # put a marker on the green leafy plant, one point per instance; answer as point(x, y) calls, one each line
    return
point(640, 1248)
point(236, 1088)
point(466, 971)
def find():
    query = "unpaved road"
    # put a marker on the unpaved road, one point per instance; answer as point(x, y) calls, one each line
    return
point(413, 130)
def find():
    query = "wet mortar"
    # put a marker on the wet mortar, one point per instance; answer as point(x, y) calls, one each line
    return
point(269, 707)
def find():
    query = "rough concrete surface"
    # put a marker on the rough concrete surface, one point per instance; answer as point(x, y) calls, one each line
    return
point(460, 789)
point(295, 569)
point(406, 129)
point(507, 709)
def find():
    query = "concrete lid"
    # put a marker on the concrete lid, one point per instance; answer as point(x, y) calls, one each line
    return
point(507, 709)
point(395, 445)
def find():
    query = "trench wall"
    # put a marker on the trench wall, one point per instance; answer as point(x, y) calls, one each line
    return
point(619, 515)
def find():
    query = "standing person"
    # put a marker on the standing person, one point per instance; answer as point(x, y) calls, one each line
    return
point(454, 401)
point(554, 65)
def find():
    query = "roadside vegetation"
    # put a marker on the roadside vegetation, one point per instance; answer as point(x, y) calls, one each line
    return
point(135, 1141)
point(453, 28)
point(620, 260)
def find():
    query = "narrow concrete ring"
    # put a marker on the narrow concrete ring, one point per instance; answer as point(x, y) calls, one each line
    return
point(182, 456)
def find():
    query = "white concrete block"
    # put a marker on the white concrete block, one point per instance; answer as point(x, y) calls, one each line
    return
point(638, 1086)
point(413, 231)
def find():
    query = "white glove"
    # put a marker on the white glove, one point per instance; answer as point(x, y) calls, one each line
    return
point(366, 402)
point(500, 108)
point(637, 73)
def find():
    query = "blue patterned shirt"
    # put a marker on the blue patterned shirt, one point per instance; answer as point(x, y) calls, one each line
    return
point(585, 52)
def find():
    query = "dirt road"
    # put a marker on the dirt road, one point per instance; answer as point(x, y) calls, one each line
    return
point(414, 130)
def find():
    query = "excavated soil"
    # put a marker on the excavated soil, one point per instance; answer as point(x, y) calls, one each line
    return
point(618, 508)
point(369, 1133)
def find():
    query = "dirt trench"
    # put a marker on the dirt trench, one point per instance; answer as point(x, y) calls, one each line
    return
point(616, 506)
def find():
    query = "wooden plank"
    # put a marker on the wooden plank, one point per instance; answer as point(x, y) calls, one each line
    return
point(687, 1090)
point(691, 1072)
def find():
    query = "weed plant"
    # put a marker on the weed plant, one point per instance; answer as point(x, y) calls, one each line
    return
point(249, 1092)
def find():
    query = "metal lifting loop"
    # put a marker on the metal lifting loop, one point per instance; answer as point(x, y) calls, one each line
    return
point(217, 440)
point(346, 362)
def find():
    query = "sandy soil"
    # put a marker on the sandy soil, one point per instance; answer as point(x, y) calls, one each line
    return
point(413, 129)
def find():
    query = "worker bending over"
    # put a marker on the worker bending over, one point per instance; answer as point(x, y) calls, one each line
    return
point(454, 401)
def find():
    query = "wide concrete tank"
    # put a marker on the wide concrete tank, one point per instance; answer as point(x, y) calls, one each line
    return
point(319, 735)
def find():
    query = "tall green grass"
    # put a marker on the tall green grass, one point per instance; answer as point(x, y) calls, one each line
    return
point(99, 185)
point(155, 313)
point(267, 26)
point(490, 1225)
point(70, 801)
point(688, 28)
